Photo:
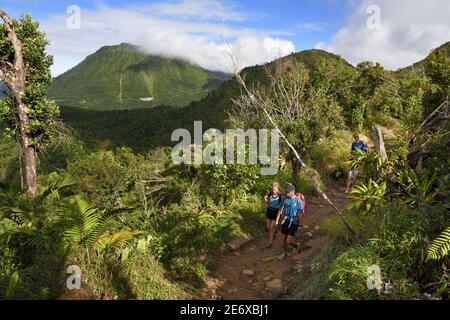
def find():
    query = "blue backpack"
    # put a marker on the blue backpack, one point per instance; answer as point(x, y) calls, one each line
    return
point(297, 198)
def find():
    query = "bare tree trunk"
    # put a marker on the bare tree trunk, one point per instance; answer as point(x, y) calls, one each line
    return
point(435, 114)
point(295, 170)
point(14, 76)
point(418, 154)
point(28, 151)
point(379, 142)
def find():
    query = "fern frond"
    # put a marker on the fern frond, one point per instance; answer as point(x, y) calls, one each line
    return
point(116, 240)
point(440, 247)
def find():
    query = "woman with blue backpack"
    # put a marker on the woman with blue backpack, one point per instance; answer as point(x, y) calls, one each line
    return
point(274, 200)
point(291, 210)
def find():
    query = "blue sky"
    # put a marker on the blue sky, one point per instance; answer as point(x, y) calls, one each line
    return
point(309, 21)
point(260, 30)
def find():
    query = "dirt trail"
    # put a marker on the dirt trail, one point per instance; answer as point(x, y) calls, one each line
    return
point(253, 272)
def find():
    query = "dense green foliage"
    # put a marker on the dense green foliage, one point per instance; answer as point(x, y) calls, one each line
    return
point(117, 77)
point(112, 202)
point(400, 214)
point(147, 129)
point(42, 111)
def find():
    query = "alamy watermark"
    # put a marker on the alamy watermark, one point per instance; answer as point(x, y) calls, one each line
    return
point(74, 280)
point(374, 281)
point(374, 19)
point(236, 146)
point(73, 22)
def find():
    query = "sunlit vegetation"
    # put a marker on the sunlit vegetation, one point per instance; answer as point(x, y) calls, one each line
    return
point(111, 201)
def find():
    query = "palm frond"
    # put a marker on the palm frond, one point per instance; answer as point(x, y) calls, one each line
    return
point(82, 223)
point(8, 285)
point(57, 185)
point(10, 192)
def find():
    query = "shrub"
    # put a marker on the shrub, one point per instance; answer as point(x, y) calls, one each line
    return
point(102, 178)
point(312, 282)
point(329, 155)
point(368, 196)
point(348, 274)
point(304, 183)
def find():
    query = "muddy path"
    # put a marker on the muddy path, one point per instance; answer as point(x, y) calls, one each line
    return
point(253, 272)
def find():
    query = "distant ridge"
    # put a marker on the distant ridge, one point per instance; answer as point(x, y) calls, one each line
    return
point(124, 77)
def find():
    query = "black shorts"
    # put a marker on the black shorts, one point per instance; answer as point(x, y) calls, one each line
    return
point(289, 230)
point(272, 214)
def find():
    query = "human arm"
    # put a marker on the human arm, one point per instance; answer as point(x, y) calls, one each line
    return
point(266, 196)
point(280, 214)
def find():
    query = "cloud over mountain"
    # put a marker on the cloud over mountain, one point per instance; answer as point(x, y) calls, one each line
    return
point(408, 30)
point(168, 30)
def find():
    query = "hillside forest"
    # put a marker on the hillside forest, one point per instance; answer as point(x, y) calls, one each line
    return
point(107, 198)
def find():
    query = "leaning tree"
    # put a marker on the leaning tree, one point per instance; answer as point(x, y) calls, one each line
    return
point(27, 115)
point(301, 114)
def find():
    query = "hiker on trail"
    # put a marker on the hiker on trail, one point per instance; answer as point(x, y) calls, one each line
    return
point(353, 174)
point(292, 209)
point(274, 199)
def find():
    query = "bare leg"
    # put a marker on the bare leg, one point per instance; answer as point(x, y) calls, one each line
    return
point(349, 182)
point(268, 224)
point(285, 243)
point(273, 228)
point(289, 242)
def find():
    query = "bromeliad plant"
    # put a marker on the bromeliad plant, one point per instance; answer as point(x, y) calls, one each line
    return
point(371, 163)
point(368, 196)
point(417, 187)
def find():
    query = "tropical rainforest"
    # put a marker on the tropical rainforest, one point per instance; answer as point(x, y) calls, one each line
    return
point(109, 200)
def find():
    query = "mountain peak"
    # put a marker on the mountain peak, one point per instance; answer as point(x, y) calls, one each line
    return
point(119, 47)
point(125, 77)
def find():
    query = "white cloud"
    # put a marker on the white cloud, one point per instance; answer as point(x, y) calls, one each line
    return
point(409, 30)
point(313, 26)
point(278, 47)
point(201, 42)
point(203, 9)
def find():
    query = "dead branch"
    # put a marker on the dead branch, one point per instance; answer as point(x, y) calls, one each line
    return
point(256, 101)
point(426, 121)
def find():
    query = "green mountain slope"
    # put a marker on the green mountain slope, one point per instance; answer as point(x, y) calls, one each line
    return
point(143, 129)
point(123, 77)
point(418, 67)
